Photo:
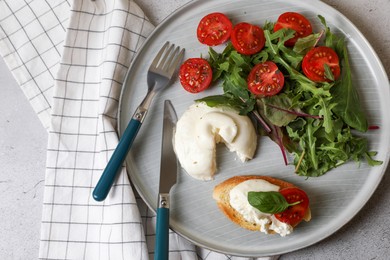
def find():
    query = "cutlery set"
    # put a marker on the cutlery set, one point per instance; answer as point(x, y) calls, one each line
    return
point(159, 76)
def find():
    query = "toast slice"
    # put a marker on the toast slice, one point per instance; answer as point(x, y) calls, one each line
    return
point(221, 195)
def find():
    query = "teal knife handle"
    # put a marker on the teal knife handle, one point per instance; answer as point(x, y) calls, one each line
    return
point(115, 164)
point(162, 234)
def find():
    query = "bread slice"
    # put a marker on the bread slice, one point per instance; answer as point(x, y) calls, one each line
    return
point(221, 195)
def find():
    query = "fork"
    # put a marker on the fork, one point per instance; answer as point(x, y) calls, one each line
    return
point(159, 75)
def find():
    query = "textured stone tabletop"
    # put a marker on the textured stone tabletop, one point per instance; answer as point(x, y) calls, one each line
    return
point(23, 153)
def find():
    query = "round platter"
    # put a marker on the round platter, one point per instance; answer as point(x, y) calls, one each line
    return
point(335, 197)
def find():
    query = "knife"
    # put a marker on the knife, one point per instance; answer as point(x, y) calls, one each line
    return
point(168, 177)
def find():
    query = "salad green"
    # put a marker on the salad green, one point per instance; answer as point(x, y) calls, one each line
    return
point(313, 121)
point(271, 202)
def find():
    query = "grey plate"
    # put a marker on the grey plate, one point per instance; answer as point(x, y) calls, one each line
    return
point(335, 198)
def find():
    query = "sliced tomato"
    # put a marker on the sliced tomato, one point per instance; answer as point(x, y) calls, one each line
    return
point(247, 38)
point(195, 75)
point(299, 23)
point(265, 79)
point(294, 214)
point(313, 64)
point(214, 29)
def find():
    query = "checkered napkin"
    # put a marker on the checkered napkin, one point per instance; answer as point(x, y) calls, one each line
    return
point(70, 59)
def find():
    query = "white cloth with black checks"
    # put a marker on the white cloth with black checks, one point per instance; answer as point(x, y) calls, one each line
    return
point(70, 59)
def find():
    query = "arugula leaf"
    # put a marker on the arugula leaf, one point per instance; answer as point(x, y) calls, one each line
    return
point(371, 161)
point(346, 97)
point(230, 101)
point(268, 25)
point(260, 57)
point(303, 45)
point(271, 202)
point(218, 61)
point(232, 68)
point(328, 72)
point(220, 100)
point(330, 38)
point(326, 113)
point(294, 59)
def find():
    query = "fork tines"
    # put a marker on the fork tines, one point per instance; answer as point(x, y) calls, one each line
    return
point(171, 57)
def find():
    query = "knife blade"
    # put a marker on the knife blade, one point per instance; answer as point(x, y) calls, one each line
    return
point(169, 163)
point(168, 178)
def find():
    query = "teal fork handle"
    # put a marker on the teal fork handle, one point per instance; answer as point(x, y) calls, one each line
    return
point(115, 164)
point(162, 234)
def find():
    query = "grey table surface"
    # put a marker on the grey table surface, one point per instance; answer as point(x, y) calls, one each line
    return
point(23, 155)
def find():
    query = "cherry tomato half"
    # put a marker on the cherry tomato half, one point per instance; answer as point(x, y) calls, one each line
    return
point(295, 21)
point(214, 29)
point(195, 75)
point(294, 214)
point(314, 61)
point(247, 38)
point(265, 79)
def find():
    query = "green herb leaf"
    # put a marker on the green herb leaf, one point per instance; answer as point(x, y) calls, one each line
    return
point(268, 25)
point(346, 97)
point(225, 100)
point(278, 117)
point(271, 202)
point(303, 45)
point(330, 38)
point(328, 72)
point(371, 161)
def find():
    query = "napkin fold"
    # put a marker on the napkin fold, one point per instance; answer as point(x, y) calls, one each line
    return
point(70, 59)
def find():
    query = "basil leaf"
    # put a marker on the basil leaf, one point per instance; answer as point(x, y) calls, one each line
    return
point(271, 202)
